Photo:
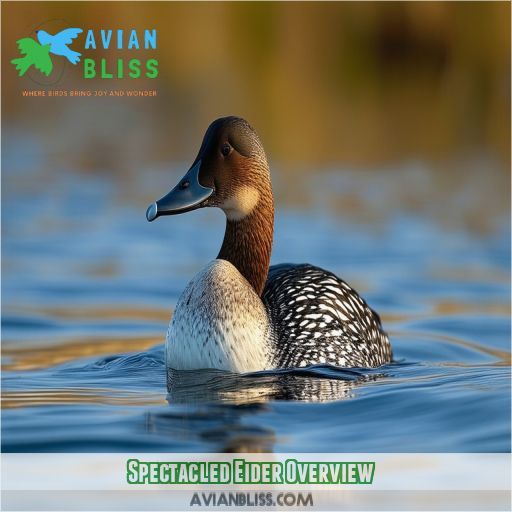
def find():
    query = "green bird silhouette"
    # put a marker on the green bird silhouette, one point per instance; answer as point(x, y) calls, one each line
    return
point(34, 55)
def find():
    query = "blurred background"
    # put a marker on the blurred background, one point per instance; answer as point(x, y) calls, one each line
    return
point(387, 128)
point(357, 85)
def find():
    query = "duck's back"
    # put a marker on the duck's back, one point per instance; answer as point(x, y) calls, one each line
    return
point(318, 318)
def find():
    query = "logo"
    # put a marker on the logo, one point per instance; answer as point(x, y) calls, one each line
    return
point(37, 53)
point(107, 53)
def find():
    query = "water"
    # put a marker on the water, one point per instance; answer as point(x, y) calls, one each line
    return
point(89, 286)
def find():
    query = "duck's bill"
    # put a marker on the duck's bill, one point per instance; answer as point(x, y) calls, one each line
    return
point(187, 195)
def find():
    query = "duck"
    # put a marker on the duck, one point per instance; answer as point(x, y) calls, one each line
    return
point(239, 314)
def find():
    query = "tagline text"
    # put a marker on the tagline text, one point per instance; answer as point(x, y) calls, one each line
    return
point(85, 93)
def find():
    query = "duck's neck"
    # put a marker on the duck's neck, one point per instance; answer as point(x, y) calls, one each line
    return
point(248, 243)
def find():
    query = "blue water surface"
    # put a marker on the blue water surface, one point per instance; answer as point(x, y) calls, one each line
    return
point(88, 288)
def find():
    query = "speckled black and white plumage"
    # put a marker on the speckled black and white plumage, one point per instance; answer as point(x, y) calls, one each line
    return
point(318, 318)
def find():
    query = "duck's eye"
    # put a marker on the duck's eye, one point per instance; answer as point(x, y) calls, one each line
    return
point(226, 149)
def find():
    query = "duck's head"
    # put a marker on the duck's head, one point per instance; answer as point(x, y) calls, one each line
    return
point(229, 172)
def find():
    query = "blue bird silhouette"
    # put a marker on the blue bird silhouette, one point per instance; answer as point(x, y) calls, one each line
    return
point(58, 43)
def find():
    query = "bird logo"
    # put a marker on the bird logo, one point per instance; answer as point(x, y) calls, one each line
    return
point(37, 53)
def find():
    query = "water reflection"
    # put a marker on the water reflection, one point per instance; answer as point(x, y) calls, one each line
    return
point(78, 395)
point(221, 409)
point(221, 427)
point(46, 356)
point(319, 383)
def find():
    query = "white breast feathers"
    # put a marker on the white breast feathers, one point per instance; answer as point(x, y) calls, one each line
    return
point(219, 322)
